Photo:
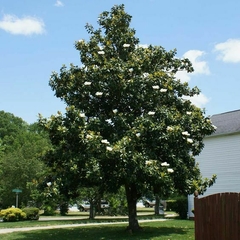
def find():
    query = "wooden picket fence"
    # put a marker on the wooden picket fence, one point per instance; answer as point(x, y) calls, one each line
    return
point(217, 217)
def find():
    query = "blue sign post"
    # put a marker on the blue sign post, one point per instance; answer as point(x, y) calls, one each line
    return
point(17, 191)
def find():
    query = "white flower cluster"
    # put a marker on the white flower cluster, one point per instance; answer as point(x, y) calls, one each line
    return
point(126, 45)
point(145, 75)
point(163, 90)
point(189, 140)
point(165, 164)
point(151, 113)
point(87, 83)
point(101, 52)
point(99, 94)
point(109, 148)
point(186, 133)
point(105, 141)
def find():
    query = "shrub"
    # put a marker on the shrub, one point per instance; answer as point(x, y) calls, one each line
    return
point(171, 205)
point(13, 215)
point(32, 213)
point(64, 209)
point(49, 211)
point(178, 205)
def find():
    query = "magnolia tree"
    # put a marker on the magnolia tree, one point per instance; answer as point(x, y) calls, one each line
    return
point(127, 121)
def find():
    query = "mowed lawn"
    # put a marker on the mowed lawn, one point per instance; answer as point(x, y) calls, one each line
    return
point(162, 230)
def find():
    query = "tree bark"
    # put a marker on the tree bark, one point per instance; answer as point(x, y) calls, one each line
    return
point(157, 204)
point(132, 196)
point(92, 210)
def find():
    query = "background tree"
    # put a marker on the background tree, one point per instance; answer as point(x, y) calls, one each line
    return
point(127, 122)
point(19, 162)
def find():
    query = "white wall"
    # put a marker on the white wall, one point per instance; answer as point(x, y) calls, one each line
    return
point(220, 156)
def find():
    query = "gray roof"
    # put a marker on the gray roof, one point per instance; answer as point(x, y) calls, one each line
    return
point(226, 123)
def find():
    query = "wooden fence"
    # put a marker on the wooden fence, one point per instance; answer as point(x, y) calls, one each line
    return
point(217, 217)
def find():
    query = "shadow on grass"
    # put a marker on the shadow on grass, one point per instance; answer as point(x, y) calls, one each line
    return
point(117, 232)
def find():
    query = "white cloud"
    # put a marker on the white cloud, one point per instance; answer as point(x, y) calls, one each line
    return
point(229, 51)
point(198, 100)
point(22, 26)
point(58, 4)
point(183, 76)
point(200, 67)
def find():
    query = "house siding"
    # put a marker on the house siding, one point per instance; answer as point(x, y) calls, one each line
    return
point(220, 156)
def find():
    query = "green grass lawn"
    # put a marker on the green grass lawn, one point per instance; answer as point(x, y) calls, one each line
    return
point(82, 218)
point(167, 230)
point(173, 229)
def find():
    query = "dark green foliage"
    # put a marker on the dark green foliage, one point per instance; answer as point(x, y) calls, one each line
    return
point(64, 208)
point(20, 147)
point(32, 213)
point(178, 205)
point(12, 215)
point(49, 210)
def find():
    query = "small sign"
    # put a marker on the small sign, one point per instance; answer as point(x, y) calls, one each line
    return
point(17, 190)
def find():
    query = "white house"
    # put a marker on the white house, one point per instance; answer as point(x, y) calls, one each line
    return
point(221, 155)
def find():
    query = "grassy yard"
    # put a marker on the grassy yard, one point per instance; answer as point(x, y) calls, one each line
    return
point(167, 230)
point(80, 217)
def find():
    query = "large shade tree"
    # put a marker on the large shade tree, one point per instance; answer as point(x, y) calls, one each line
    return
point(128, 121)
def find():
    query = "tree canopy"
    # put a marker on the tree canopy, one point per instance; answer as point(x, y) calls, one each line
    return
point(127, 122)
point(20, 148)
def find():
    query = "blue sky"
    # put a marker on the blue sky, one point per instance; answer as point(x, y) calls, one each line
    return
point(37, 37)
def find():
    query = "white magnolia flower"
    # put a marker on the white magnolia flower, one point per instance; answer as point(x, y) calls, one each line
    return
point(98, 93)
point(80, 40)
point(126, 45)
point(88, 136)
point(138, 134)
point(151, 113)
point(87, 83)
point(155, 87)
point(148, 162)
point(145, 75)
point(169, 128)
point(163, 90)
point(101, 52)
point(82, 115)
point(170, 170)
point(189, 140)
point(49, 184)
point(215, 127)
point(185, 133)
point(115, 111)
point(109, 148)
point(105, 141)
point(188, 113)
point(130, 69)
point(165, 164)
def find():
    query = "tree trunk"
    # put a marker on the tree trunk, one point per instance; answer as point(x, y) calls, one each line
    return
point(131, 193)
point(91, 210)
point(157, 204)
